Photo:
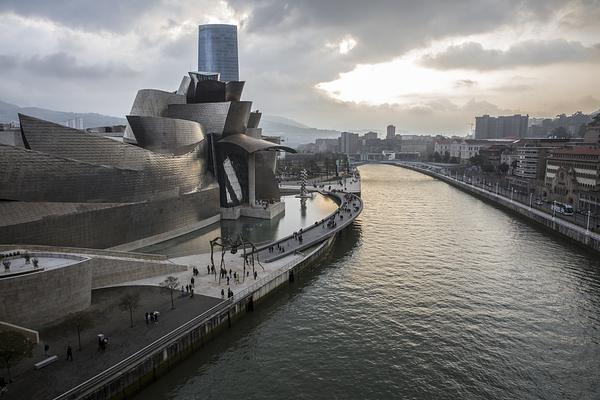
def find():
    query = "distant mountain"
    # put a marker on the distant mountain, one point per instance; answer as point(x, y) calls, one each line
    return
point(292, 132)
point(8, 113)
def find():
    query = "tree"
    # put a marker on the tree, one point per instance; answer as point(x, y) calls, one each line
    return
point(170, 284)
point(503, 168)
point(79, 321)
point(14, 347)
point(130, 302)
point(476, 160)
point(437, 157)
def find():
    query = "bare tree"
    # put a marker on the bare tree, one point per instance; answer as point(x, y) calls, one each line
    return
point(170, 284)
point(129, 302)
point(79, 321)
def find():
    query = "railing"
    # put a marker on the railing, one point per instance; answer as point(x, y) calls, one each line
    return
point(139, 356)
point(263, 281)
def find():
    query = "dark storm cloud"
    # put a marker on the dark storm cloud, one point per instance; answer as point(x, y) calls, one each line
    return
point(473, 55)
point(64, 66)
point(387, 28)
point(109, 15)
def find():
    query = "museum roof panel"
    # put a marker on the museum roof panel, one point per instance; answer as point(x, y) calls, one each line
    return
point(252, 145)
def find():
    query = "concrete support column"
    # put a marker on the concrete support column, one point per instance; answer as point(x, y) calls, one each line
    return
point(251, 180)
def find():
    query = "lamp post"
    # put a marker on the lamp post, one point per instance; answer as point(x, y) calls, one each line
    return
point(530, 198)
point(587, 227)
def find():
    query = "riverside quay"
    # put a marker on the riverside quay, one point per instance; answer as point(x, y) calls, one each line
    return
point(78, 207)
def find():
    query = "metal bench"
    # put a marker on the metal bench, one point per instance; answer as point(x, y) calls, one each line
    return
point(46, 362)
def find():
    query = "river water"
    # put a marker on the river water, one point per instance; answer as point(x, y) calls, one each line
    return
point(432, 294)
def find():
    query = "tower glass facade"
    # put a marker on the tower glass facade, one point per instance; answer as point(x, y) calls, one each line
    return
point(218, 50)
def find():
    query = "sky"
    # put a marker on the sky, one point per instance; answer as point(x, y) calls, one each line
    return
point(424, 66)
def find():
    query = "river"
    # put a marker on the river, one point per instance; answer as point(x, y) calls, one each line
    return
point(432, 294)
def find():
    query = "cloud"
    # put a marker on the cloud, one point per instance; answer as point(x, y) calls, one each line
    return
point(64, 66)
point(472, 55)
point(461, 83)
point(105, 15)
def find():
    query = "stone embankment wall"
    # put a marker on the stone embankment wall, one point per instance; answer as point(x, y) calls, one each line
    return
point(38, 298)
point(554, 224)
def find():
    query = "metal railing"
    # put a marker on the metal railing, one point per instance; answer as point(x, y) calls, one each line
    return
point(104, 377)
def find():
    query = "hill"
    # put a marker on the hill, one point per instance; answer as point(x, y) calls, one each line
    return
point(8, 113)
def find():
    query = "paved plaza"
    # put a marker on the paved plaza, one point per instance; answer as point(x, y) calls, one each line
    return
point(109, 320)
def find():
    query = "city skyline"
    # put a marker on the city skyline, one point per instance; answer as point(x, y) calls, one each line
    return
point(424, 68)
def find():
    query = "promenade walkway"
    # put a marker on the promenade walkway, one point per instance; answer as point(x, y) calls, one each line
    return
point(350, 207)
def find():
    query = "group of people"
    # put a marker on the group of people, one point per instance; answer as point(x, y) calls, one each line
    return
point(229, 293)
point(189, 289)
point(279, 247)
point(196, 271)
point(298, 236)
point(102, 342)
point(151, 317)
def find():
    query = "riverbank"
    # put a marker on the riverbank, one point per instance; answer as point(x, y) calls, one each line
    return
point(146, 364)
point(576, 233)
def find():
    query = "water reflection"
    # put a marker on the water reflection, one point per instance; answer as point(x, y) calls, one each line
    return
point(299, 213)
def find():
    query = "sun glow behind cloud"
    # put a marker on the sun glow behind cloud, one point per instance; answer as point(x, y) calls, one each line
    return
point(400, 81)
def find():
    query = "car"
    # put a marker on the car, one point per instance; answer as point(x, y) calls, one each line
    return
point(539, 202)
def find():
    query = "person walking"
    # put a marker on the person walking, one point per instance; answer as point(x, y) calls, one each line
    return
point(192, 281)
point(69, 353)
point(148, 315)
point(222, 293)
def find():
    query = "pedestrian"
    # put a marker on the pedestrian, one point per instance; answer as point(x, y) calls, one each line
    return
point(227, 281)
point(69, 353)
point(255, 275)
point(192, 281)
point(148, 317)
point(208, 270)
point(46, 348)
point(222, 293)
point(192, 291)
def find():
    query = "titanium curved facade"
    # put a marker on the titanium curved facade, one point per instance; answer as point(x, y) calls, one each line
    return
point(165, 135)
point(254, 119)
point(152, 102)
point(218, 50)
point(192, 155)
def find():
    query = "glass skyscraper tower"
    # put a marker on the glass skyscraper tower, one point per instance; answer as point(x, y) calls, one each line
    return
point(218, 50)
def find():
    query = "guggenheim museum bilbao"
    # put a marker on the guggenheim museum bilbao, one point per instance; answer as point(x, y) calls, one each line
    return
point(187, 156)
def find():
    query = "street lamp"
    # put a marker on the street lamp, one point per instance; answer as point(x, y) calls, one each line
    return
point(587, 228)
